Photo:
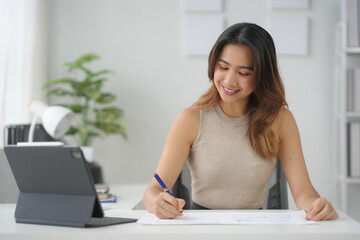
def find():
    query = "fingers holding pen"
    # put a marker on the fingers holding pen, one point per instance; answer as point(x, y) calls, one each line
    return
point(167, 206)
point(163, 213)
point(181, 204)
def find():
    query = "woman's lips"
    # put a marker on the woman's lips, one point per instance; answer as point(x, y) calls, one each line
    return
point(229, 91)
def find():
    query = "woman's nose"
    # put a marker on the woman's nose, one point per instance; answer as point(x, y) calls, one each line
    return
point(230, 79)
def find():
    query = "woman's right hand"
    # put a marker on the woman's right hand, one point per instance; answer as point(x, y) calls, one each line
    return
point(182, 135)
point(168, 207)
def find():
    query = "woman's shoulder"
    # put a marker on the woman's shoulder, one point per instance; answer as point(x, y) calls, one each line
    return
point(187, 123)
point(190, 114)
point(283, 119)
point(284, 114)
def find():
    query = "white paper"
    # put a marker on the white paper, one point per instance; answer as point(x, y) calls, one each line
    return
point(289, 4)
point(290, 34)
point(230, 218)
point(203, 5)
point(201, 33)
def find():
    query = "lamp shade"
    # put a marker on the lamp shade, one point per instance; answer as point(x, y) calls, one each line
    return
point(56, 119)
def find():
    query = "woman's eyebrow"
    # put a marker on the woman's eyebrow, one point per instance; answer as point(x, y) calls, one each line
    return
point(246, 67)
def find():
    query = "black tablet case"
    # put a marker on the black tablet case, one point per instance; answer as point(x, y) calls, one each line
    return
point(55, 187)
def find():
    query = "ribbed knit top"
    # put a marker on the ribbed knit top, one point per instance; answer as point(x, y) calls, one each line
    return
point(226, 172)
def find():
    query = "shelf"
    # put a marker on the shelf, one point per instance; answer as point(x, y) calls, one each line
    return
point(353, 115)
point(349, 180)
point(353, 50)
point(347, 57)
point(352, 180)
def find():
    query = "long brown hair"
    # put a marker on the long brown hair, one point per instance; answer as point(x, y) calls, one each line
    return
point(269, 95)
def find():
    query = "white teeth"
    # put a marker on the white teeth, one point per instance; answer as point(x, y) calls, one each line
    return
point(228, 90)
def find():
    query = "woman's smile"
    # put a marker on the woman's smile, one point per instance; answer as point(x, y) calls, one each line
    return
point(229, 91)
point(233, 75)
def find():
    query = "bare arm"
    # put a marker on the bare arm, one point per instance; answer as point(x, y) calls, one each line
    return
point(181, 136)
point(293, 163)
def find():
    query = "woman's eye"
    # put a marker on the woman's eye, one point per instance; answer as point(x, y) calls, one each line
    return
point(223, 68)
point(243, 74)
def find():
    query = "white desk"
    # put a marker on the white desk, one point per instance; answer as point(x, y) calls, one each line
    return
point(128, 195)
point(343, 228)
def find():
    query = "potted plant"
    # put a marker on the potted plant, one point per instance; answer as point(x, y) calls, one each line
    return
point(94, 116)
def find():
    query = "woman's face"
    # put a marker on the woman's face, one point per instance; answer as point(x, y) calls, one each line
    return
point(234, 74)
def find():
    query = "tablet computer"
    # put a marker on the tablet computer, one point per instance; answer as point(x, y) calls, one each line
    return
point(56, 187)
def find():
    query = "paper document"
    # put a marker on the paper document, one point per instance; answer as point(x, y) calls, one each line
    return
point(230, 217)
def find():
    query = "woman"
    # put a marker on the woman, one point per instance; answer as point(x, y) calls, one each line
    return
point(234, 133)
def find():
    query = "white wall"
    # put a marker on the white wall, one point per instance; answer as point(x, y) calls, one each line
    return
point(142, 41)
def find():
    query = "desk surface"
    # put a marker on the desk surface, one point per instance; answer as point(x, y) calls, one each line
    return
point(343, 228)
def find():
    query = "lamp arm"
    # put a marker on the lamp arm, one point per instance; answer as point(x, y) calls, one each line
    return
point(32, 129)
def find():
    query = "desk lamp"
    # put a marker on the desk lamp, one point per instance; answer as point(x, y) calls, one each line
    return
point(55, 119)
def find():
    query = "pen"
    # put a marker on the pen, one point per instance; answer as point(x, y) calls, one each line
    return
point(162, 184)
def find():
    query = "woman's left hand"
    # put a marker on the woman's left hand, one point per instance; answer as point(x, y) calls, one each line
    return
point(320, 210)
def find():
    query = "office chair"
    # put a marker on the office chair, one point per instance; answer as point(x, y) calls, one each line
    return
point(277, 197)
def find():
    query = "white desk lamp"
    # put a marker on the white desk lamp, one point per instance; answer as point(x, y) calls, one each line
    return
point(55, 119)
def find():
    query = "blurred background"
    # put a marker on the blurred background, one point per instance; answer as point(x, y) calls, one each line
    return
point(144, 43)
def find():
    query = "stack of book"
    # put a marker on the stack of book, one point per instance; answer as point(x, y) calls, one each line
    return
point(354, 149)
point(103, 193)
point(350, 11)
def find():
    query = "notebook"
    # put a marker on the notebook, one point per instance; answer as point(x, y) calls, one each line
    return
point(56, 187)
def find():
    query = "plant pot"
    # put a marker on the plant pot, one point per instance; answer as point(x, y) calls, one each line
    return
point(88, 153)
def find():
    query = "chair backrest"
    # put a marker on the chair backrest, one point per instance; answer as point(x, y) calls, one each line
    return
point(277, 197)
point(182, 187)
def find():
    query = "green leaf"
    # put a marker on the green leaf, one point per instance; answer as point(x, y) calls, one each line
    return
point(87, 71)
point(92, 134)
point(104, 98)
point(87, 58)
point(92, 93)
point(78, 64)
point(76, 108)
point(58, 81)
point(60, 92)
point(99, 82)
point(80, 87)
point(72, 131)
point(86, 135)
point(112, 112)
point(110, 120)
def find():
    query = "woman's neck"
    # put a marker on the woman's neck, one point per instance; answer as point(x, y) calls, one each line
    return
point(234, 110)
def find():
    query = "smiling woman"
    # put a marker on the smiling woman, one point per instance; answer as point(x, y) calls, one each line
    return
point(234, 76)
point(234, 133)
point(251, 50)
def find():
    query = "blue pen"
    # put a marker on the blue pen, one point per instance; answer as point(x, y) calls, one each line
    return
point(162, 184)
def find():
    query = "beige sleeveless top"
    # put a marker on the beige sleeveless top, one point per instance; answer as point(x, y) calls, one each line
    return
point(226, 172)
